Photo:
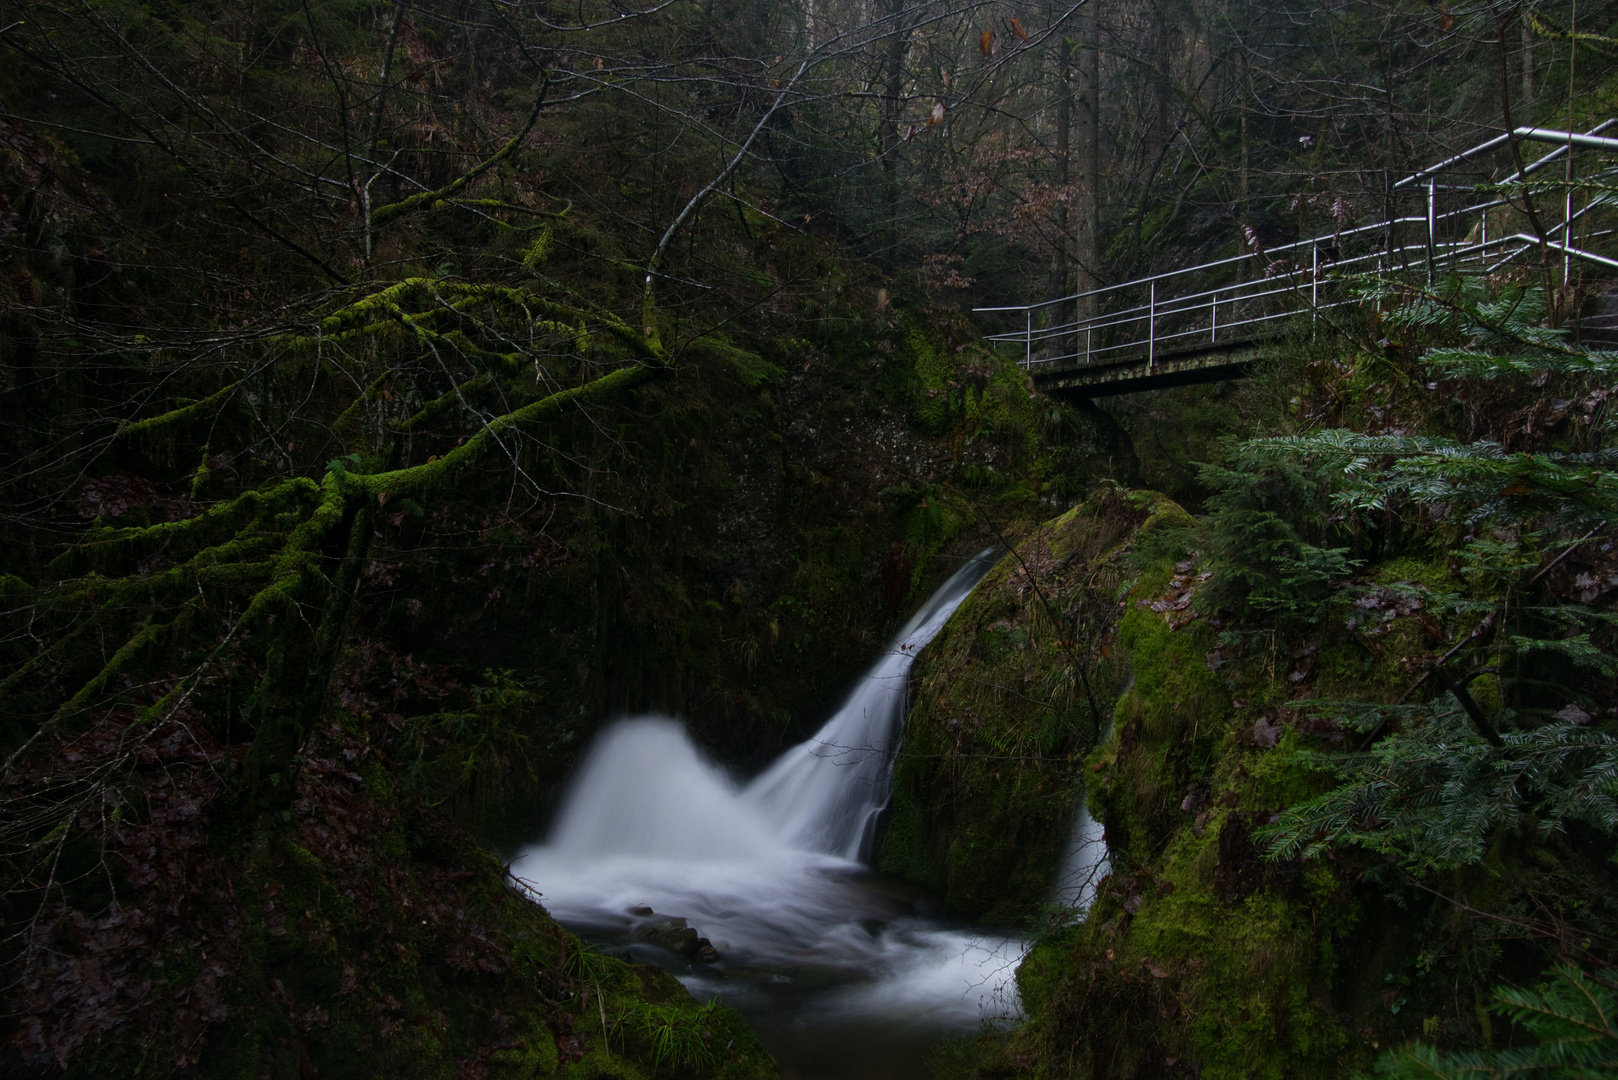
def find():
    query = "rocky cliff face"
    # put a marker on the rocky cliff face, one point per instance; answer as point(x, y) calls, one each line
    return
point(1008, 702)
point(1202, 954)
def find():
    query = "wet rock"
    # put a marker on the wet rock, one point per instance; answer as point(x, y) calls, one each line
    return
point(673, 934)
point(640, 911)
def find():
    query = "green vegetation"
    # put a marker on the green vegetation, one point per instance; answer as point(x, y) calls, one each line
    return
point(391, 392)
point(1358, 792)
point(345, 505)
point(1008, 701)
point(1569, 1018)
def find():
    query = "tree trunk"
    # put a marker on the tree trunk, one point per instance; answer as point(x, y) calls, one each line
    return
point(1086, 238)
point(893, 89)
point(1528, 62)
point(1244, 209)
point(1062, 263)
point(1162, 86)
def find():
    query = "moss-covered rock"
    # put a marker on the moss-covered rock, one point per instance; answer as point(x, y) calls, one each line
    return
point(1007, 702)
point(1197, 951)
point(1202, 955)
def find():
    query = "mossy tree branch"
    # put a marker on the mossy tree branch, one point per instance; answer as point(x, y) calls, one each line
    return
point(428, 199)
point(270, 553)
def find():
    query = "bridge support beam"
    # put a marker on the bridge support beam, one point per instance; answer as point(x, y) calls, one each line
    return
point(1109, 380)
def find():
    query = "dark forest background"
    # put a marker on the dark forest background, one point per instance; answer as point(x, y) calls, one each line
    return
point(392, 392)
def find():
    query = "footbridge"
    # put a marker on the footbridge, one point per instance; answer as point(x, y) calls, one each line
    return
point(1212, 321)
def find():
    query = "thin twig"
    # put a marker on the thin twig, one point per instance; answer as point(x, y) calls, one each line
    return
point(1483, 624)
point(1571, 548)
point(1530, 927)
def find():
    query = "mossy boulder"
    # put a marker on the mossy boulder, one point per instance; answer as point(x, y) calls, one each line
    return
point(1201, 954)
point(1197, 952)
point(1007, 702)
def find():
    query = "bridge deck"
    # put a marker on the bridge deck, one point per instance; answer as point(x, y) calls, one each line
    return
point(1211, 363)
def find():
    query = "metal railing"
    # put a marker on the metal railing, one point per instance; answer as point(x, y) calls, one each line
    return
point(1243, 298)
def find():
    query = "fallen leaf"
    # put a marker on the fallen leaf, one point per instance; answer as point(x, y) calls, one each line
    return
point(1572, 714)
point(1263, 734)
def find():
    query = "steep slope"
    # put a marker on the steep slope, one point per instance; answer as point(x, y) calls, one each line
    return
point(1358, 773)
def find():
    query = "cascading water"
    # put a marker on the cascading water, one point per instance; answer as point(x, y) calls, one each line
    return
point(825, 794)
point(1084, 863)
point(839, 969)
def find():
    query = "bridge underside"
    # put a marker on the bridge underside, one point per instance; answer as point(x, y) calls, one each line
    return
point(1213, 364)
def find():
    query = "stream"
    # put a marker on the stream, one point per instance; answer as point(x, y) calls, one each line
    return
point(756, 893)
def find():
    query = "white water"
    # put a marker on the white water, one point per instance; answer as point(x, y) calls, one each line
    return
point(812, 945)
point(1084, 863)
point(825, 794)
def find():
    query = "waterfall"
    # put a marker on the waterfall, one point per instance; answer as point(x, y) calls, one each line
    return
point(645, 790)
point(825, 794)
point(1084, 863)
point(824, 957)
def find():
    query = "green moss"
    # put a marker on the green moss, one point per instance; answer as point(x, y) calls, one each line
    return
point(1199, 948)
point(1429, 573)
point(904, 850)
point(1043, 970)
point(1004, 712)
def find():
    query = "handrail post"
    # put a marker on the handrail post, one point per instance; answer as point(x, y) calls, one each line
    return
point(1028, 330)
point(1213, 320)
point(1567, 238)
point(1432, 229)
point(1314, 283)
point(1385, 264)
point(1151, 329)
point(1567, 217)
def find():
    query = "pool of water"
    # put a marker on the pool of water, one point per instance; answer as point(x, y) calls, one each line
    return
point(845, 974)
